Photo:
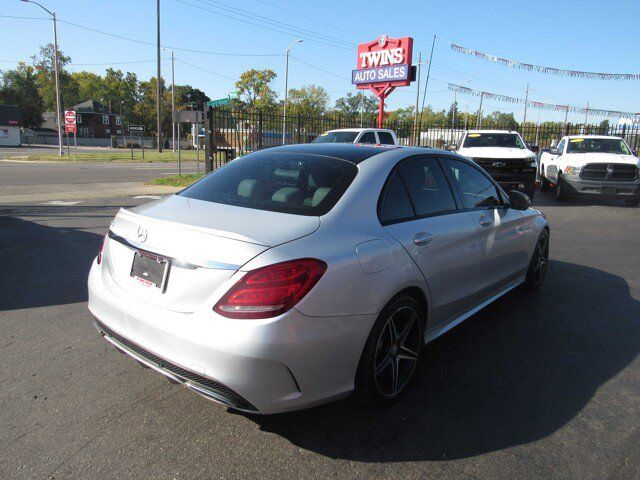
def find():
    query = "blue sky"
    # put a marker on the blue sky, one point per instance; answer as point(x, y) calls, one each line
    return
point(586, 35)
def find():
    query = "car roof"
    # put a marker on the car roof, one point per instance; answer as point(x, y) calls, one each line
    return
point(593, 136)
point(359, 129)
point(491, 131)
point(352, 152)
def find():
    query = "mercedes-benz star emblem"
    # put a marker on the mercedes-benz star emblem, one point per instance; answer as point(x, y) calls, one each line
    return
point(142, 234)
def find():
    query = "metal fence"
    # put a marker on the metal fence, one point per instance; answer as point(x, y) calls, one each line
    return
point(230, 133)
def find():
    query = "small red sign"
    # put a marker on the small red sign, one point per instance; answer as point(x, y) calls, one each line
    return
point(70, 117)
point(70, 128)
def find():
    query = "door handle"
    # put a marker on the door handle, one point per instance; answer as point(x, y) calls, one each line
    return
point(486, 221)
point(422, 238)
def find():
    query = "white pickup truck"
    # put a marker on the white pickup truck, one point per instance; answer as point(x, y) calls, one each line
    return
point(375, 136)
point(591, 165)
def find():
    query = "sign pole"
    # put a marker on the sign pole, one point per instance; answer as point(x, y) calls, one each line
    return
point(75, 144)
point(131, 145)
point(381, 110)
point(142, 144)
point(197, 148)
point(178, 125)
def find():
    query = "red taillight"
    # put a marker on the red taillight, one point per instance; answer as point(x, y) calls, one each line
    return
point(271, 291)
point(104, 239)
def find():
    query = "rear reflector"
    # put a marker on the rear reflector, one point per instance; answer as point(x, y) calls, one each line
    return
point(104, 239)
point(270, 291)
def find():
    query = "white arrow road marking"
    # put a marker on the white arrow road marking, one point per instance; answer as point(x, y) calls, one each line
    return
point(61, 203)
point(155, 197)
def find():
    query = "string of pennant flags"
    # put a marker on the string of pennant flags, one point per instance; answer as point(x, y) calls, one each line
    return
point(599, 112)
point(542, 69)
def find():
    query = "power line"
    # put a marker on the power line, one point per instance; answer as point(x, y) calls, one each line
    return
point(312, 19)
point(278, 23)
point(263, 26)
point(320, 68)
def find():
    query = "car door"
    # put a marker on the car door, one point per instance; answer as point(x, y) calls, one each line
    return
point(551, 164)
point(418, 208)
point(500, 229)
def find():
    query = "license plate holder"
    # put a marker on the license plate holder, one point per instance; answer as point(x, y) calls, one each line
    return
point(149, 269)
point(608, 189)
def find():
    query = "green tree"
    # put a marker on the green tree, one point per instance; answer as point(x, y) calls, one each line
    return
point(43, 64)
point(186, 95)
point(144, 111)
point(20, 87)
point(352, 104)
point(501, 120)
point(254, 89)
point(311, 101)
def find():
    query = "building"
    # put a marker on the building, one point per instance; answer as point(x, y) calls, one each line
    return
point(10, 120)
point(93, 120)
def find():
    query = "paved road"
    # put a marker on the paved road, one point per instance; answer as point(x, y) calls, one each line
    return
point(44, 150)
point(543, 385)
point(28, 181)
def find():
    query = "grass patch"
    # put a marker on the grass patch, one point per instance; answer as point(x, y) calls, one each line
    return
point(115, 155)
point(176, 181)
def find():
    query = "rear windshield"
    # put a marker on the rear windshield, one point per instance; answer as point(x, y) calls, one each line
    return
point(336, 137)
point(506, 140)
point(597, 145)
point(295, 183)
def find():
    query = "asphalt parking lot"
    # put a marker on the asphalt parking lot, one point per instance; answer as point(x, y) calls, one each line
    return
point(543, 385)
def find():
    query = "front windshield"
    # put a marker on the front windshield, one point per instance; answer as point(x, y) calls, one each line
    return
point(504, 140)
point(336, 137)
point(597, 145)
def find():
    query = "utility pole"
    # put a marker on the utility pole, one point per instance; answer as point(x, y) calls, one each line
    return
point(286, 92)
point(158, 86)
point(586, 118)
point(566, 116)
point(466, 115)
point(55, 74)
point(455, 105)
point(173, 102)
point(478, 120)
point(415, 119)
point(526, 102)
point(426, 82)
point(361, 108)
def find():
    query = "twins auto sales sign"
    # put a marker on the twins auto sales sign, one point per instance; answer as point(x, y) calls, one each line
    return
point(385, 62)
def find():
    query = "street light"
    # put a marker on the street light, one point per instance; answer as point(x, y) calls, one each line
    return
point(453, 110)
point(55, 71)
point(286, 91)
point(173, 104)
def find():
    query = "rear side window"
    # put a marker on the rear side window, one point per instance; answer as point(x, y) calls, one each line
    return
point(386, 138)
point(394, 202)
point(427, 186)
point(368, 137)
point(476, 188)
point(295, 183)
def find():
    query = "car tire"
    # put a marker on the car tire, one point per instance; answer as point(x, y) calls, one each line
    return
point(544, 183)
point(560, 190)
point(632, 202)
point(539, 263)
point(391, 353)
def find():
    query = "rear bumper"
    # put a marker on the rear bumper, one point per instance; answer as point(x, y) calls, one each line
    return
point(260, 366)
point(579, 186)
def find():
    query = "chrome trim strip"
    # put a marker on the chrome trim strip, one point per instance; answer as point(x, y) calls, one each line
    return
point(192, 264)
point(183, 381)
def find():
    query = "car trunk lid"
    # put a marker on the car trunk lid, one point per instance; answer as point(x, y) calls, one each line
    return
point(203, 244)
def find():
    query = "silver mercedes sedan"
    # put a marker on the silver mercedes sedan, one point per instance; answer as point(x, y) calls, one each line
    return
point(297, 275)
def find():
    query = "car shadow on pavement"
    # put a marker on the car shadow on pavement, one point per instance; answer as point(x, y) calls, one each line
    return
point(514, 373)
point(43, 265)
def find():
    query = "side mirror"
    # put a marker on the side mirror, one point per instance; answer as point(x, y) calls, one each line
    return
point(554, 151)
point(518, 200)
point(452, 147)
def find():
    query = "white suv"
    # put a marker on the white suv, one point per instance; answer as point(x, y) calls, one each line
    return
point(591, 165)
point(375, 136)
